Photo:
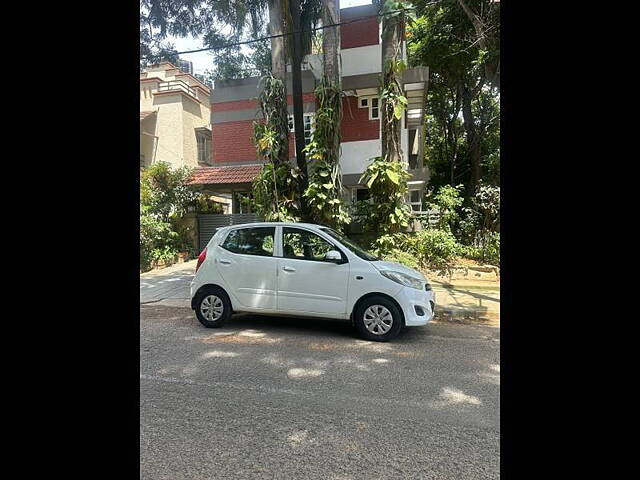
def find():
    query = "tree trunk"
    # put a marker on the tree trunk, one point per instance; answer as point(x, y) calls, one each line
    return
point(492, 68)
point(473, 138)
point(278, 66)
point(296, 84)
point(278, 53)
point(331, 67)
point(391, 51)
point(331, 40)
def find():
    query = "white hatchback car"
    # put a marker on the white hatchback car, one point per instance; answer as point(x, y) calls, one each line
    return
point(306, 270)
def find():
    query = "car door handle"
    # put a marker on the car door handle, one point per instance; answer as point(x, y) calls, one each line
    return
point(225, 262)
point(288, 269)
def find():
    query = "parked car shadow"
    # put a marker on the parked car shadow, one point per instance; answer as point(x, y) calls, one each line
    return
point(301, 325)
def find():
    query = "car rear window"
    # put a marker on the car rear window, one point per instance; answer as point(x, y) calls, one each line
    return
point(251, 241)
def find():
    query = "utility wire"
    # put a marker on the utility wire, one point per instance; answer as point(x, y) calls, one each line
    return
point(246, 42)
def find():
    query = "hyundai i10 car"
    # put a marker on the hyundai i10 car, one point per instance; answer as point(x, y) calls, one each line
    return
point(306, 270)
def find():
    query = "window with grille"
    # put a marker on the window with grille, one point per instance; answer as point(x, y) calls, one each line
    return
point(204, 148)
point(374, 109)
point(309, 126)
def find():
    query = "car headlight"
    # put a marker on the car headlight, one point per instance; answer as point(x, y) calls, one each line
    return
point(403, 279)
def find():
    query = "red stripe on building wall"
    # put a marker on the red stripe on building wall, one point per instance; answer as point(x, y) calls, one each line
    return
point(359, 34)
point(232, 142)
point(252, 103)
point(355, 122)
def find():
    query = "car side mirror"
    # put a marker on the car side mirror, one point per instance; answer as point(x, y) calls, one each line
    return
point(333, 256)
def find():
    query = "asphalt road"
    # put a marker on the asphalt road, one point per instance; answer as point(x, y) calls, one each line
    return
point(278, 398)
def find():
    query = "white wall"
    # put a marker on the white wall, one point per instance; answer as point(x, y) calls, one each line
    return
point(355, 157)
point(361, 60)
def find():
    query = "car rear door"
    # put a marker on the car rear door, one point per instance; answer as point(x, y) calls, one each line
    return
point(246, 263)
point(306, 282)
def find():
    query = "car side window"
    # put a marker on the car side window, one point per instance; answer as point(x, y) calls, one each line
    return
point(251, 241)
point(304, 245)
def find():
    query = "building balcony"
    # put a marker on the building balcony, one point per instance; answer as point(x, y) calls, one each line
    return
point(176, 86)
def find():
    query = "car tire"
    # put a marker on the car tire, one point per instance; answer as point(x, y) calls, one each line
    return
point(213, 307)
point(372, 319)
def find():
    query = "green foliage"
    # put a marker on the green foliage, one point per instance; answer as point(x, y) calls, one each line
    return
point(394, 104)
point(447, 202)
point(218, 22)
point(480, 225)
point(275, 189)
point(157, 241)
point(396, 8)
point(275, 193)
point(325, 179)
point(464, 71)
point(205, 205)
point(387, 183)
point(404, 258)
point(165, 196)
point(431, 248)
point(165, 193)
point(323, 195)
point(271, 136)
point(325, 141)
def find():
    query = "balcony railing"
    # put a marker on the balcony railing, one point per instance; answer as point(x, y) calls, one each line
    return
point(177, 85)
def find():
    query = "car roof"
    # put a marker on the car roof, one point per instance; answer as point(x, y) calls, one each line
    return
point(274, 224)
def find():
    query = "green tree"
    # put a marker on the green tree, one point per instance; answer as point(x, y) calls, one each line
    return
point(461, 47)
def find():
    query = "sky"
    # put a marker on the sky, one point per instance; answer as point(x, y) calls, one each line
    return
point(203, 60)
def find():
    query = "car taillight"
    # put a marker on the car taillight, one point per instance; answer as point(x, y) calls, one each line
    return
point(201, 258)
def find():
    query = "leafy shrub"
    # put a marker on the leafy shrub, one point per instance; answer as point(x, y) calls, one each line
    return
point(435, 249)
point(447, 201)
point(165, 192)
point(492, 249)
point(489, 253)
point(431, 248)
point(402, 257)
point(157, 241)
point(480, 225)
point(165, 196)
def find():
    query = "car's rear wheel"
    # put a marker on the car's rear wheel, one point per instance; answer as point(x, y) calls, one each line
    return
point(213, 307)
point(378, 319)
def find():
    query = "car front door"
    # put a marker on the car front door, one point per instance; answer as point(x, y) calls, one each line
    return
point(307, 283)
point(246, 262)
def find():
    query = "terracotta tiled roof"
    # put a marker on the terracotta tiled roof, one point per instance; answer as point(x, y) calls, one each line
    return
point(144, 115)
point(226, 174)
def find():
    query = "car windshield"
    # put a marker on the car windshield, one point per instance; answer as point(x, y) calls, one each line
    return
point(353, 246)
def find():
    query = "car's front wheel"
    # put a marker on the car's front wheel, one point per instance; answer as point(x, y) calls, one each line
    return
point(213, 307)
point(378, 319)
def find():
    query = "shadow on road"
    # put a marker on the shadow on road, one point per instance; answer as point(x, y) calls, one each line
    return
point(301, 325)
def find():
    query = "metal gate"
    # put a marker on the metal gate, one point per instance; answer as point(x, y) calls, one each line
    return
point(208, 223)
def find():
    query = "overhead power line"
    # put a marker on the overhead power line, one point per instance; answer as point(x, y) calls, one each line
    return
point(246, 42)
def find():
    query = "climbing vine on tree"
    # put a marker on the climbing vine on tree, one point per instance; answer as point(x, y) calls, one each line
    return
point(275, 188)
point(325, 178)
point(387, 183)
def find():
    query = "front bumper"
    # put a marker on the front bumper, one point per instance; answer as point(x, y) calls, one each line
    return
point(414, 302)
